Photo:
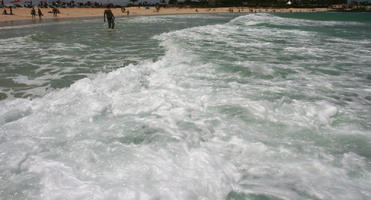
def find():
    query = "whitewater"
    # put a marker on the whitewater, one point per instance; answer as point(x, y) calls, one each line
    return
point(222, 106)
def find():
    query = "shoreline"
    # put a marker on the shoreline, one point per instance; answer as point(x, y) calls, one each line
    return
point(22, 16)
point(25, 22)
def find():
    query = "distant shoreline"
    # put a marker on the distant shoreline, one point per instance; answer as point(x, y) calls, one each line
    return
point(22, 16)
point(25, 22)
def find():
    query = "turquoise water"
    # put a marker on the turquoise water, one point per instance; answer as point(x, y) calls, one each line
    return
point(257, 106)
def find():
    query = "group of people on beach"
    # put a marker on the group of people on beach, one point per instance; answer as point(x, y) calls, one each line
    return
point(10, 11)
point(55, 12)
point(108, 14)
point(39, 13)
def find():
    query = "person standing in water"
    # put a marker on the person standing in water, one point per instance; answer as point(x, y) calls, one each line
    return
point(33, 13)
point(110, 18)
point(39, 13)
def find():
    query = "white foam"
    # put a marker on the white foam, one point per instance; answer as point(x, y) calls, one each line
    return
point(67, 113)
point(25, 80)
point(181, 128)
point(148, 19)
point(276, 20)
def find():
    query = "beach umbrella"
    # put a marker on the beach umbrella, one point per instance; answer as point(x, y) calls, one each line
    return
point(16, 3)
point(27, 4)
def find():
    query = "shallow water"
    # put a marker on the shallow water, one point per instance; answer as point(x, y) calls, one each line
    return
point(256, 106)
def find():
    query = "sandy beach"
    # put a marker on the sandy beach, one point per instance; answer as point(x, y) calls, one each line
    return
point(22, 15)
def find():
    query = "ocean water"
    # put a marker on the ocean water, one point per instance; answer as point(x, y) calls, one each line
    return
point(256, 106)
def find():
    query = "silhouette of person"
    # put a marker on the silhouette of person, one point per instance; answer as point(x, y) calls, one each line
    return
point(33, 13)
point(39, 13)
point(110, 18)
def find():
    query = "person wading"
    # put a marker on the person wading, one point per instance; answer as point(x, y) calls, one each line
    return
point(39, 13)
point(33, 13)
point(110, 18)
